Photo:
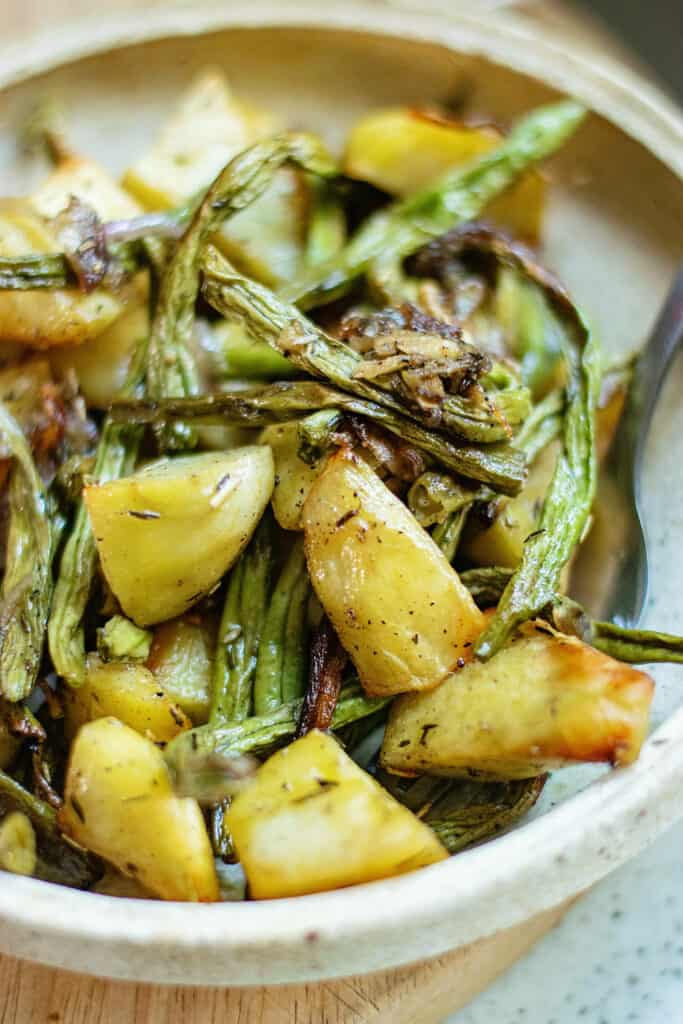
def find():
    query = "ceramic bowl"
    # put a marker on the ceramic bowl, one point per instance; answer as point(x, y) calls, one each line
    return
point(613, 231)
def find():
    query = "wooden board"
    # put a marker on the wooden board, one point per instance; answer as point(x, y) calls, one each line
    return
point(423, 993)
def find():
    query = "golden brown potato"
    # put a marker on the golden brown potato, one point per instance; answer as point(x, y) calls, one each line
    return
point(102, 366)
point(119, 803)
point(402, 150)
point(181, 659)
point(59, 316)
point(89, 182)
point(42, 318)
point(209, 127)
point(266, 240)
point(125, 691)
point(313, 820)
point(17, 844)
point(399, 608)
point(293, 477)
point(502, 543)
point(542, 702)
point(169, 533)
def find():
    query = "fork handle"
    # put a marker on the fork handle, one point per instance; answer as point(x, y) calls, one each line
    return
point(648, 378)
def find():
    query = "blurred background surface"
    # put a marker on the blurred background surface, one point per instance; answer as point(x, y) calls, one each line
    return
point(653, 30)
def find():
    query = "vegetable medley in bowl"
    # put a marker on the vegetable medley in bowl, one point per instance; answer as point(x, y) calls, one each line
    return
point(296, 456)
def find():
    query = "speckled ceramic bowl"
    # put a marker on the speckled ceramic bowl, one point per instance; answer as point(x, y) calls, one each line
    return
point(614, 231)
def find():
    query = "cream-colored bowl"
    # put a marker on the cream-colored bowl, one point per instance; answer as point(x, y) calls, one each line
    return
point(614, 232)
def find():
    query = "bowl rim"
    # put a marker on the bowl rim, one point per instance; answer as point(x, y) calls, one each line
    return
point(452, 903)
point(621, 95)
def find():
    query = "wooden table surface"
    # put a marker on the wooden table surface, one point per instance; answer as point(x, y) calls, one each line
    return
point(423, 993)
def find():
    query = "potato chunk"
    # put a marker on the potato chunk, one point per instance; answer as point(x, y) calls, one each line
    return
point(313, 820)
point(266, 240)
point(502, 543)
point(125, 691)
point(181, 659)
point(543, 702)
point(403, 150)
point(168, 534)
point(119, 803)
point(209, 127)
point(399, 608)
point(89, 182)
point(293, 477)
point(42, 318)
point(59, 316)
point(102, 366)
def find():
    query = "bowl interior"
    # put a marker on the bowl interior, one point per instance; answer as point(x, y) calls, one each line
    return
point(614, 224)
point(613, 227)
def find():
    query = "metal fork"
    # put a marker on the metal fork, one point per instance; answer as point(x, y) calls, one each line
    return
point(624, 568)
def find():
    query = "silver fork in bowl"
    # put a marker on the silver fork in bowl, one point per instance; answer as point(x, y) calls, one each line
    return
point(624, 565)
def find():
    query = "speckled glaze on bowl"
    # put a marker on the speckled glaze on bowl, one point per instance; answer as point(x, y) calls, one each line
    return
point(614, 232)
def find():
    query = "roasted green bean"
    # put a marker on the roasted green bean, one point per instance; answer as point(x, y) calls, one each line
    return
point(464, 812)
point(487, 419)
point(503, 467)
point(257, 734)
point(241, 628)
point(116, 456)
point(270, 666)
point(27, 582)
point(170, 366)
point(458, 196)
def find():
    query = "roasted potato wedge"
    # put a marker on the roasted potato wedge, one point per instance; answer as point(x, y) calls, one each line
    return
point(125, 691)
point(17, 844)
point(119, 803)
point(181, 659)
point(402, 150)
point(64, 316)
point(398, 607)
point(313, 820)
point(209, 127)
point(89, 182)
point(266, 240)
point(102, 366)
point(543, 702)
point(293, 477)
point(169, 533)
point(42, 318)
point(502, 543)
